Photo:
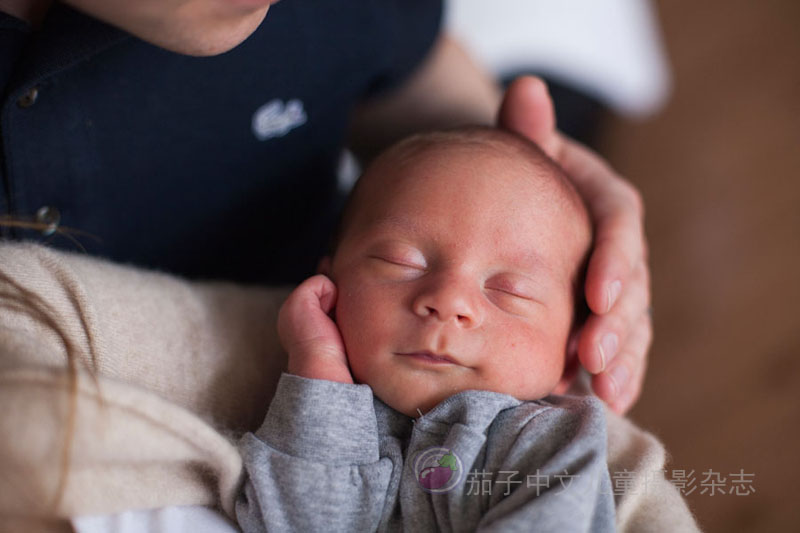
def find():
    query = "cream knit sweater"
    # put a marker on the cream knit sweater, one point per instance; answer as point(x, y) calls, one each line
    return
point(181, 369)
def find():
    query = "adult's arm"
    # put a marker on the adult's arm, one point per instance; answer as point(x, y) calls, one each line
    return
point(172, 362)
point(208, 347)
point(450, 89)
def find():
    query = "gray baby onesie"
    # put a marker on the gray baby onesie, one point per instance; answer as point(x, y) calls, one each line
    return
point(332, 457)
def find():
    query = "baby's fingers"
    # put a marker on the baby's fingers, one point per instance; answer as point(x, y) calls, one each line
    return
point(310, 336)
point(318, 291)
point(304, 315)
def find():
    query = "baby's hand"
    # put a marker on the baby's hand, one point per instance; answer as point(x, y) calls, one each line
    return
point(310, 336)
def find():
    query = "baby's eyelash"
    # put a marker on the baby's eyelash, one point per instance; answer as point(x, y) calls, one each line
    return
point(511, 293)
point(397, 262)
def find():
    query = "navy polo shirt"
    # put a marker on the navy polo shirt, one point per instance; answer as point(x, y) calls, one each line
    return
point(214, 167)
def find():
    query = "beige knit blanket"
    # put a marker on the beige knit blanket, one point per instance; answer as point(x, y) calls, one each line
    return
point(168, 374)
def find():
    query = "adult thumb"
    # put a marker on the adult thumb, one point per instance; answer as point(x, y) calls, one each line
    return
point(527, 109)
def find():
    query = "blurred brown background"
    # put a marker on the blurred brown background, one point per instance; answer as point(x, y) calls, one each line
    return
point(719, 169)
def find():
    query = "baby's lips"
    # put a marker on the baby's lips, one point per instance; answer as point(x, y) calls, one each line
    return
point(433, 357)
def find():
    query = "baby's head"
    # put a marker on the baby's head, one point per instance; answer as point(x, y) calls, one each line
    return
point(458, 263)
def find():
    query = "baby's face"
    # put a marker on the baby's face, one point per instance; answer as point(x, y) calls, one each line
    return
point(455, 273)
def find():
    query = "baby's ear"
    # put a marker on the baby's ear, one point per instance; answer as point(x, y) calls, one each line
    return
point(324, 266)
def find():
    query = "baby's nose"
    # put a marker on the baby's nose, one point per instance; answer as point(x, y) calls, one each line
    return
point(449, 300)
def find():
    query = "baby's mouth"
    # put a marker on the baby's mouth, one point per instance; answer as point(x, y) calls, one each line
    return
point(426, 356)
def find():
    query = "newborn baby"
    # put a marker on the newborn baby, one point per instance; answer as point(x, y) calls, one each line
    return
point(450, 297)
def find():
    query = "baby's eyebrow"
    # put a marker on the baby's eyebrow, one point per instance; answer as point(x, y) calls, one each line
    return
point(394, 223)
point(529, 260)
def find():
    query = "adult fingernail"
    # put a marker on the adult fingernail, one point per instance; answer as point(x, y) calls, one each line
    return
point(614, 288)
point(619, 375)
point(607, 348)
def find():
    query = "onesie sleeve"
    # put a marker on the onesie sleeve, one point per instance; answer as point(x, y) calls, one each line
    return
point(314, 464)
point(554, 475)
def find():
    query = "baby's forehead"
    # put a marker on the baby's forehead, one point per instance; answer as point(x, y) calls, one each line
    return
point(445, 155)
point(435, 163)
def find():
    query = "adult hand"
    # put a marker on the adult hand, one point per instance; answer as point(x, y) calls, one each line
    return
point(309, 335)
point(613, 343)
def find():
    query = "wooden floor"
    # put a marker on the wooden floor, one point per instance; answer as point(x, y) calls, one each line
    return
point(720, 172)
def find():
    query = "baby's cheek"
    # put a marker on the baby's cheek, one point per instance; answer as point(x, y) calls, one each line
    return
point(359, 325)
point(533, 365)
point(347, 319)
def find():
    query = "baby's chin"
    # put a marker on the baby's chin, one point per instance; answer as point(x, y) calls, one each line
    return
point(415, 407)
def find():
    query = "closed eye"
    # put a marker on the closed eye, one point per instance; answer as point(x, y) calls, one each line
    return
point(514, 293)
point(398, 262)
point(509, 301)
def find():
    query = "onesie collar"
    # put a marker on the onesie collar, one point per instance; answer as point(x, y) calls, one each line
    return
point(472, 408)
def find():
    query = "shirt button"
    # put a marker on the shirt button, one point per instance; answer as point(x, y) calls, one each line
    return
point(49, 218)
point(29, 98)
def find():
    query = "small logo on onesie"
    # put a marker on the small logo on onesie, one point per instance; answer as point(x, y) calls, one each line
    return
point(438, 470)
